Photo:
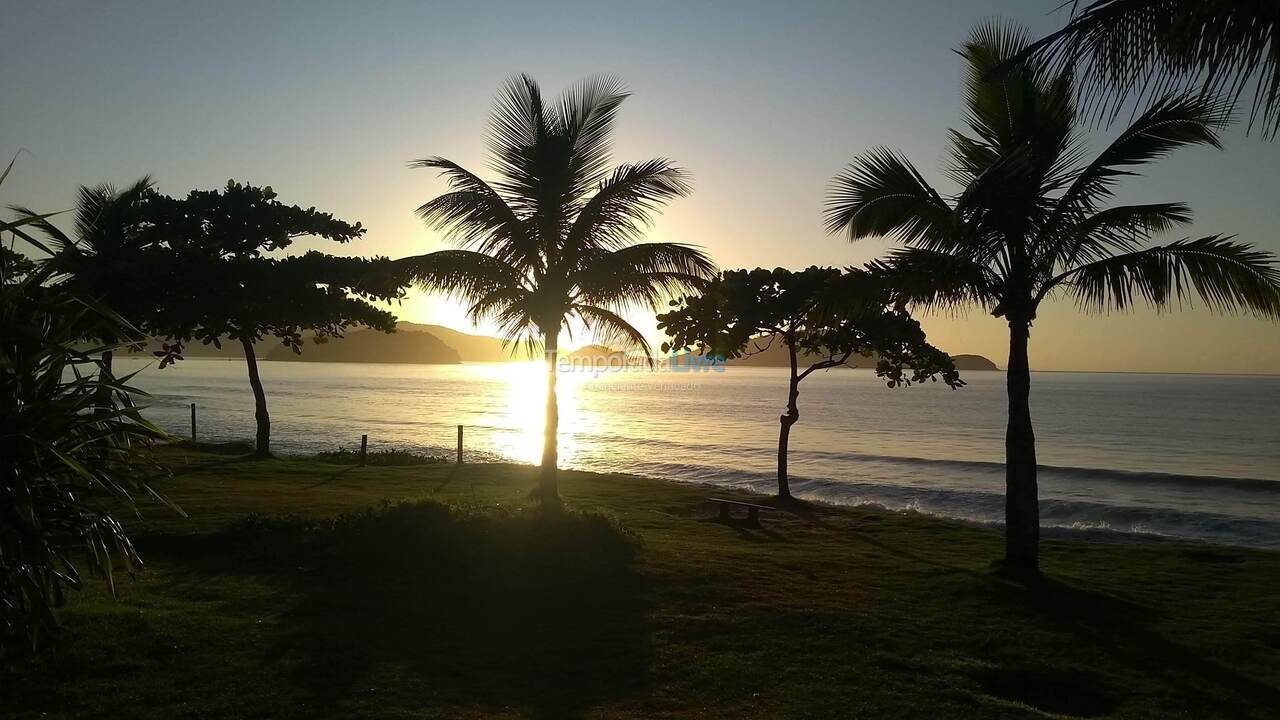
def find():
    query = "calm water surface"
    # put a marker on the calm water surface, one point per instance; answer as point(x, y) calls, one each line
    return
point(1187, 456)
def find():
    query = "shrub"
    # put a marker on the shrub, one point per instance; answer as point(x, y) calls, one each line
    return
point(70, 439)
point(388, 457)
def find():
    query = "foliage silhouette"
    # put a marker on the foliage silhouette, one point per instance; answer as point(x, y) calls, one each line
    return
point(114, 252)
point(1031, 220)
point(1144, 50)
point(227, 286)
point(818, 311)
point(554, 239)
point(387, 456)
point(70, 438)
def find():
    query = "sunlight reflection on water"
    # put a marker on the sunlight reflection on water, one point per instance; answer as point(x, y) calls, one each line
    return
point(1127, 452)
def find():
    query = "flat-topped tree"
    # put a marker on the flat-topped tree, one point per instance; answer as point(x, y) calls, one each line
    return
point(818, 313)
point(231, 289)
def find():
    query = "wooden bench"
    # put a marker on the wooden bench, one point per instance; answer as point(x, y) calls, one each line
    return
point(753, 510)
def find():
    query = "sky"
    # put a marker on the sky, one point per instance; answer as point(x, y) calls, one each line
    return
point(762, 102)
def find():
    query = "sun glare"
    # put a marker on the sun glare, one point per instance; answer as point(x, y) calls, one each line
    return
point(522, 417)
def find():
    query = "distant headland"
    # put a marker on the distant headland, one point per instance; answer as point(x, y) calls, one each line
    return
point(439, 345)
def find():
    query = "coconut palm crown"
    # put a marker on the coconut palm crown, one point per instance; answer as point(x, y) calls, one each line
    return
point(1143, 49)
point(1033, 219)
point(554, 239)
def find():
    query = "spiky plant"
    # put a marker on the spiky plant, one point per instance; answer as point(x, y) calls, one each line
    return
point(70, 439)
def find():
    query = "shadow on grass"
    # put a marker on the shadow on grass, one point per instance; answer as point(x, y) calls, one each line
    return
point(538, 611)
point(1123, 628)
point(753, 531)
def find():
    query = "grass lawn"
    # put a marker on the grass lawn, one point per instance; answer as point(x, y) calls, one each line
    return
point(469, 604)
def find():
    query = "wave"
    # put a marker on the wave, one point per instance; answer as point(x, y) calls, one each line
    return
point(1132, 476)
point(987, 508)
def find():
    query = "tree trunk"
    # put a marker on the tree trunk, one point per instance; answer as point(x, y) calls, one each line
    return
point(102, 396)
point(1022, 505)
point(785, 421)
point(263, 446)
point(548, 486)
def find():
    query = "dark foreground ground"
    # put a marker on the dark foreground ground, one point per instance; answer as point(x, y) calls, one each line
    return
point(284, 596)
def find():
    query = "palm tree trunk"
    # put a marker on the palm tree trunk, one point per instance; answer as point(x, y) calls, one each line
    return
point(262, 448)
point(1022, 505)
point(547, 484)
point(785, 421)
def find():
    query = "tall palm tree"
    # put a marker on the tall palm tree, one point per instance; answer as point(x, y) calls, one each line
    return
point(554, 238)
point(1032, 220)
point(1145, 49)
point(104, 259)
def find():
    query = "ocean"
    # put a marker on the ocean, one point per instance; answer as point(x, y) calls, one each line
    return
point(1191, 457)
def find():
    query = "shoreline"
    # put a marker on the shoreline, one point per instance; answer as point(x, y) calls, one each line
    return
point(1096, 535)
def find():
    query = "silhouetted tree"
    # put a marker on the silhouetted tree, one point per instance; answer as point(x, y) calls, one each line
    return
point(553, 239)
point(230, 288)
point(1145, 49)
point(818, 312)
point(113, 253)
point(65, 446)
point(14, 265)
point(1031, 220)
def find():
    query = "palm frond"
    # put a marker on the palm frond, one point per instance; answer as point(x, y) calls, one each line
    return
point(623, 205)
point(518, 124)
point(586, 115)
point(1118, 229)
point(1171, 123)
point(1138, 50)
point(1226, 275)
point(516, 319)
point(464, 274)
point(612, 329)
point(641, 275)
point(996, 110)
point(59, 241)
point(882, 193)
point(935, 280)
point(496, 301)
point(102, 222)
point(475, 215)
point(27, 217)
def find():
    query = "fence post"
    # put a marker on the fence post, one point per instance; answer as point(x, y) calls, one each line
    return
point(459, 444)
point(364, 448)
point(193, 422)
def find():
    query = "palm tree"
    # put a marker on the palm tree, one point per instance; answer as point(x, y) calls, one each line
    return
point(1031, 221)
point(104, 260)
point(554, 238)
point(1145, 49)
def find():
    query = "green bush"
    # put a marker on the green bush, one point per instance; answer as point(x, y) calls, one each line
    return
point(388, 457)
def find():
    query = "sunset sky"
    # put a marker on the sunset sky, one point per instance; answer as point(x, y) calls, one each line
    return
point(762, 102)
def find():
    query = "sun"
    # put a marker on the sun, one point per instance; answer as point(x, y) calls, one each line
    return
point(523, 414)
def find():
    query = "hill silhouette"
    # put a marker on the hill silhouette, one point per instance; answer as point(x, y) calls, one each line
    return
point(411, 343)
point(436, 344)
point(471, 348)
point(404, 346)
point(600, 352)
